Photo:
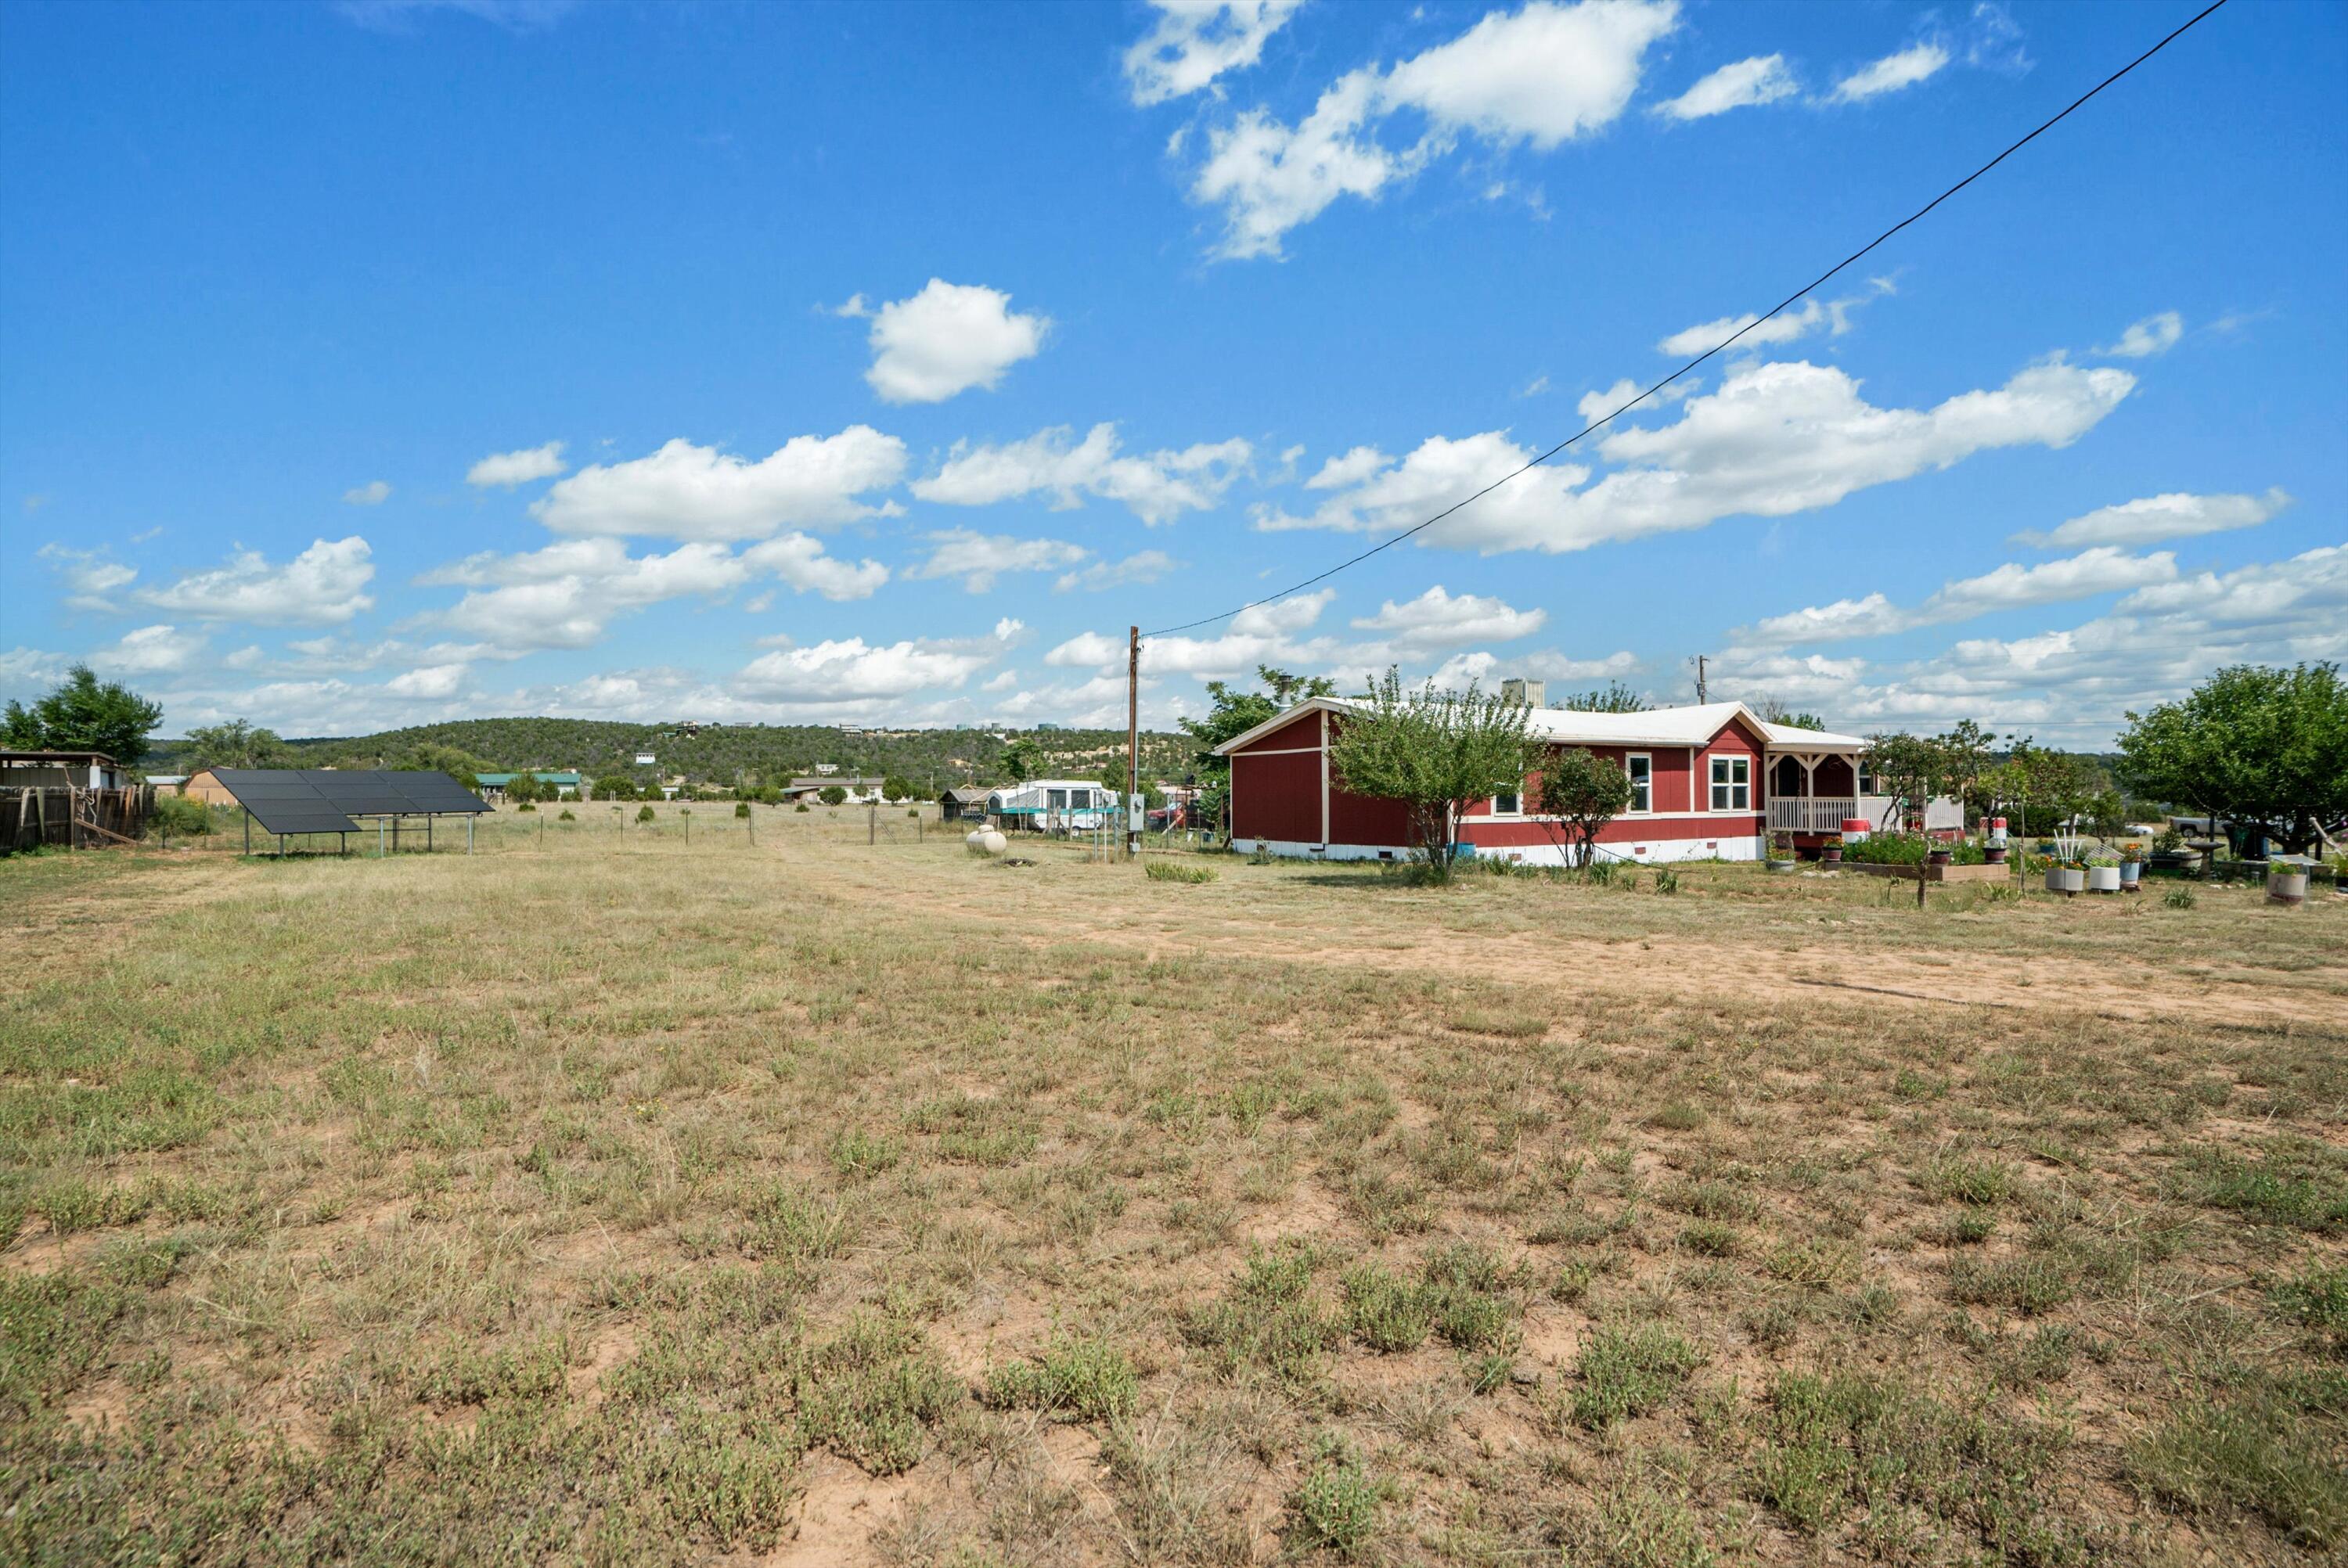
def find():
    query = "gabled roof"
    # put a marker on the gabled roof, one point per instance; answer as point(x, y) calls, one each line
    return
point(1694, 726)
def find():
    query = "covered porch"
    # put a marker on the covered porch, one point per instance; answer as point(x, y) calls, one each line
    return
point(1811, 791)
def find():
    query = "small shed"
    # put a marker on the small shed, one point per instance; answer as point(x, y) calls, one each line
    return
point(964, 801)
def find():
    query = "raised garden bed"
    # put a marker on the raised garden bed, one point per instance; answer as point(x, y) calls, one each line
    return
point(1935, 873)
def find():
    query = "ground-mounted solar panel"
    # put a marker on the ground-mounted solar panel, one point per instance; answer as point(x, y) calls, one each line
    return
point(323, 800)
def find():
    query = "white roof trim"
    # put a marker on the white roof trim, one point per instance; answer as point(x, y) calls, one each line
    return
point(1694, 726)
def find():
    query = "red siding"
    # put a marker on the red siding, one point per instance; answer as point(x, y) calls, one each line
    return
point(1277, 796)
point(1357, 819)
point(1303, 731)
point(1833, 777)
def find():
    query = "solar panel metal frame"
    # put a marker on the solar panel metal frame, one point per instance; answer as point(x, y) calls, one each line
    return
point(283, 801)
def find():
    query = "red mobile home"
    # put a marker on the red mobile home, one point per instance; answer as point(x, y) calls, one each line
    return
point(1708, 782)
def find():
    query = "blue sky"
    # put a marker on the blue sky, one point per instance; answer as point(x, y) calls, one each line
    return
point(381, 362)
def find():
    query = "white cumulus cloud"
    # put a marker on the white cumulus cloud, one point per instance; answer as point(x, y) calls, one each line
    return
point(374, 493)
point(979, 558)
point(1762, 79)
point(850, 670)
point(2177, 515)
point(2156, 335)
point(1157, 486)
point(2102, 569)
point(1195, 41)
point(1437, 620)
point(688, 492)
point(1911, 65)
point(1539, 76)
point(947, 339)
point(324, 586)
point(504, 470)
point(1776, 439)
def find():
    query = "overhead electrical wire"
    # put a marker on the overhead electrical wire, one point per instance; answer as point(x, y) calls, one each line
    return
point(1724, 343)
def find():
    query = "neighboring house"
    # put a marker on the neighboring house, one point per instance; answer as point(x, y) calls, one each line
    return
point(1051, 806)
point(201, 785)
point(860, 790)
point(566, 782)
point(58, 769)
point(1708, 782)
point(962, 801)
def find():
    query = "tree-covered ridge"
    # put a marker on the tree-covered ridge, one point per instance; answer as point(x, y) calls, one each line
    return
point(751, 753)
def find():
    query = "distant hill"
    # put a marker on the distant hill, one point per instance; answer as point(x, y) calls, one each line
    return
point(932, 759)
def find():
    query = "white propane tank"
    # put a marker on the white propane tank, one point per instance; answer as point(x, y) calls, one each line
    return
point(986, 841)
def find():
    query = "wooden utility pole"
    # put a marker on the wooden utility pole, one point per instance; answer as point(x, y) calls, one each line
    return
point(1700, 696)
point(1132, 739)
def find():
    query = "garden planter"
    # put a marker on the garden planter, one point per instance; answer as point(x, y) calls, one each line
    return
point(2131, 877)
point(1993, 855)
point(2103, 878)
point(2287, 887)
point(2059, 880)
point(1939, 856)
point(1782, 866)
point(1831, 855)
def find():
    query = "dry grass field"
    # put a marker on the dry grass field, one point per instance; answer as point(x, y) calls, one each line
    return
point(633, 1199)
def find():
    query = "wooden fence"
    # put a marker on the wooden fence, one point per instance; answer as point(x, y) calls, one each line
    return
point(73, 818)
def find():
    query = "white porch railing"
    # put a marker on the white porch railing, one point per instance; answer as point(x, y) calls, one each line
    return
point(1810, 814)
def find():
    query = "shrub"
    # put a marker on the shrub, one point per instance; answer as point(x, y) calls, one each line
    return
point(177, 813)
point(1177, 871)
point(2178, 898)
point(1907, 849)
point(801, 806)
point(741, 808)
point(1087, 1379)
point(1628, 1372)
point(525, 806)
point(566, 817)
point(832, 795)
point(1336, 1509)
point(643, 813)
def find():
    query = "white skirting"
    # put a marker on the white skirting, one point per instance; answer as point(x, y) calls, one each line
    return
point(1657, 850)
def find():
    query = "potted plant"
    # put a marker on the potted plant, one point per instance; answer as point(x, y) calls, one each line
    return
point(2065, 877)
point(2168, 849)
point(2103, 874)
point(1939, 855)
point(2132, 870)
point(2287, 880)
point(1780, 853)
point(1830, 852)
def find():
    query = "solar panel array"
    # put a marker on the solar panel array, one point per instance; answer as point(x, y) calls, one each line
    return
point(323, 800)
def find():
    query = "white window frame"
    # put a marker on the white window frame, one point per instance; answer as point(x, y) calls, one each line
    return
point(1860, 778)
point(1516, 810)
point(1649, 783)
point(1715, 784)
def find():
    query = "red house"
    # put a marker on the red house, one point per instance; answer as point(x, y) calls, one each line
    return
point(1708, 782)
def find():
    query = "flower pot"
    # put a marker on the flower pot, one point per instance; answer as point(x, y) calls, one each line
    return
point(1939, 856)
point(1993, 855)
point(2103, 878)
point(1782, 866)
point(2131, 877)
point(1831, 855)
point(2287, 887)
point(2059, 880)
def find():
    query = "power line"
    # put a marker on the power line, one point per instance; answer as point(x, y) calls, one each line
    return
point(1725, 342)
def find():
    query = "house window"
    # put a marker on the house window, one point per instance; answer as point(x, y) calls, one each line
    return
point(1732, 784)
point(1510, 804)
point(1865, 779)
point(1640, 767)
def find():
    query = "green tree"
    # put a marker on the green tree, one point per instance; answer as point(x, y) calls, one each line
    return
point(896, 786)
point(85, 714)
point(1021, 760)
point(1612, 698)
point(524, 789)
point(832, 795)
point(1234, 712)
point(2042, 785)
point(613, 786)
point(643, 813)
point(1910, 769)
point(2255, 743)
point(1435, 752)
point(1770, 710)
point(237, 744)
point(1588, 791)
